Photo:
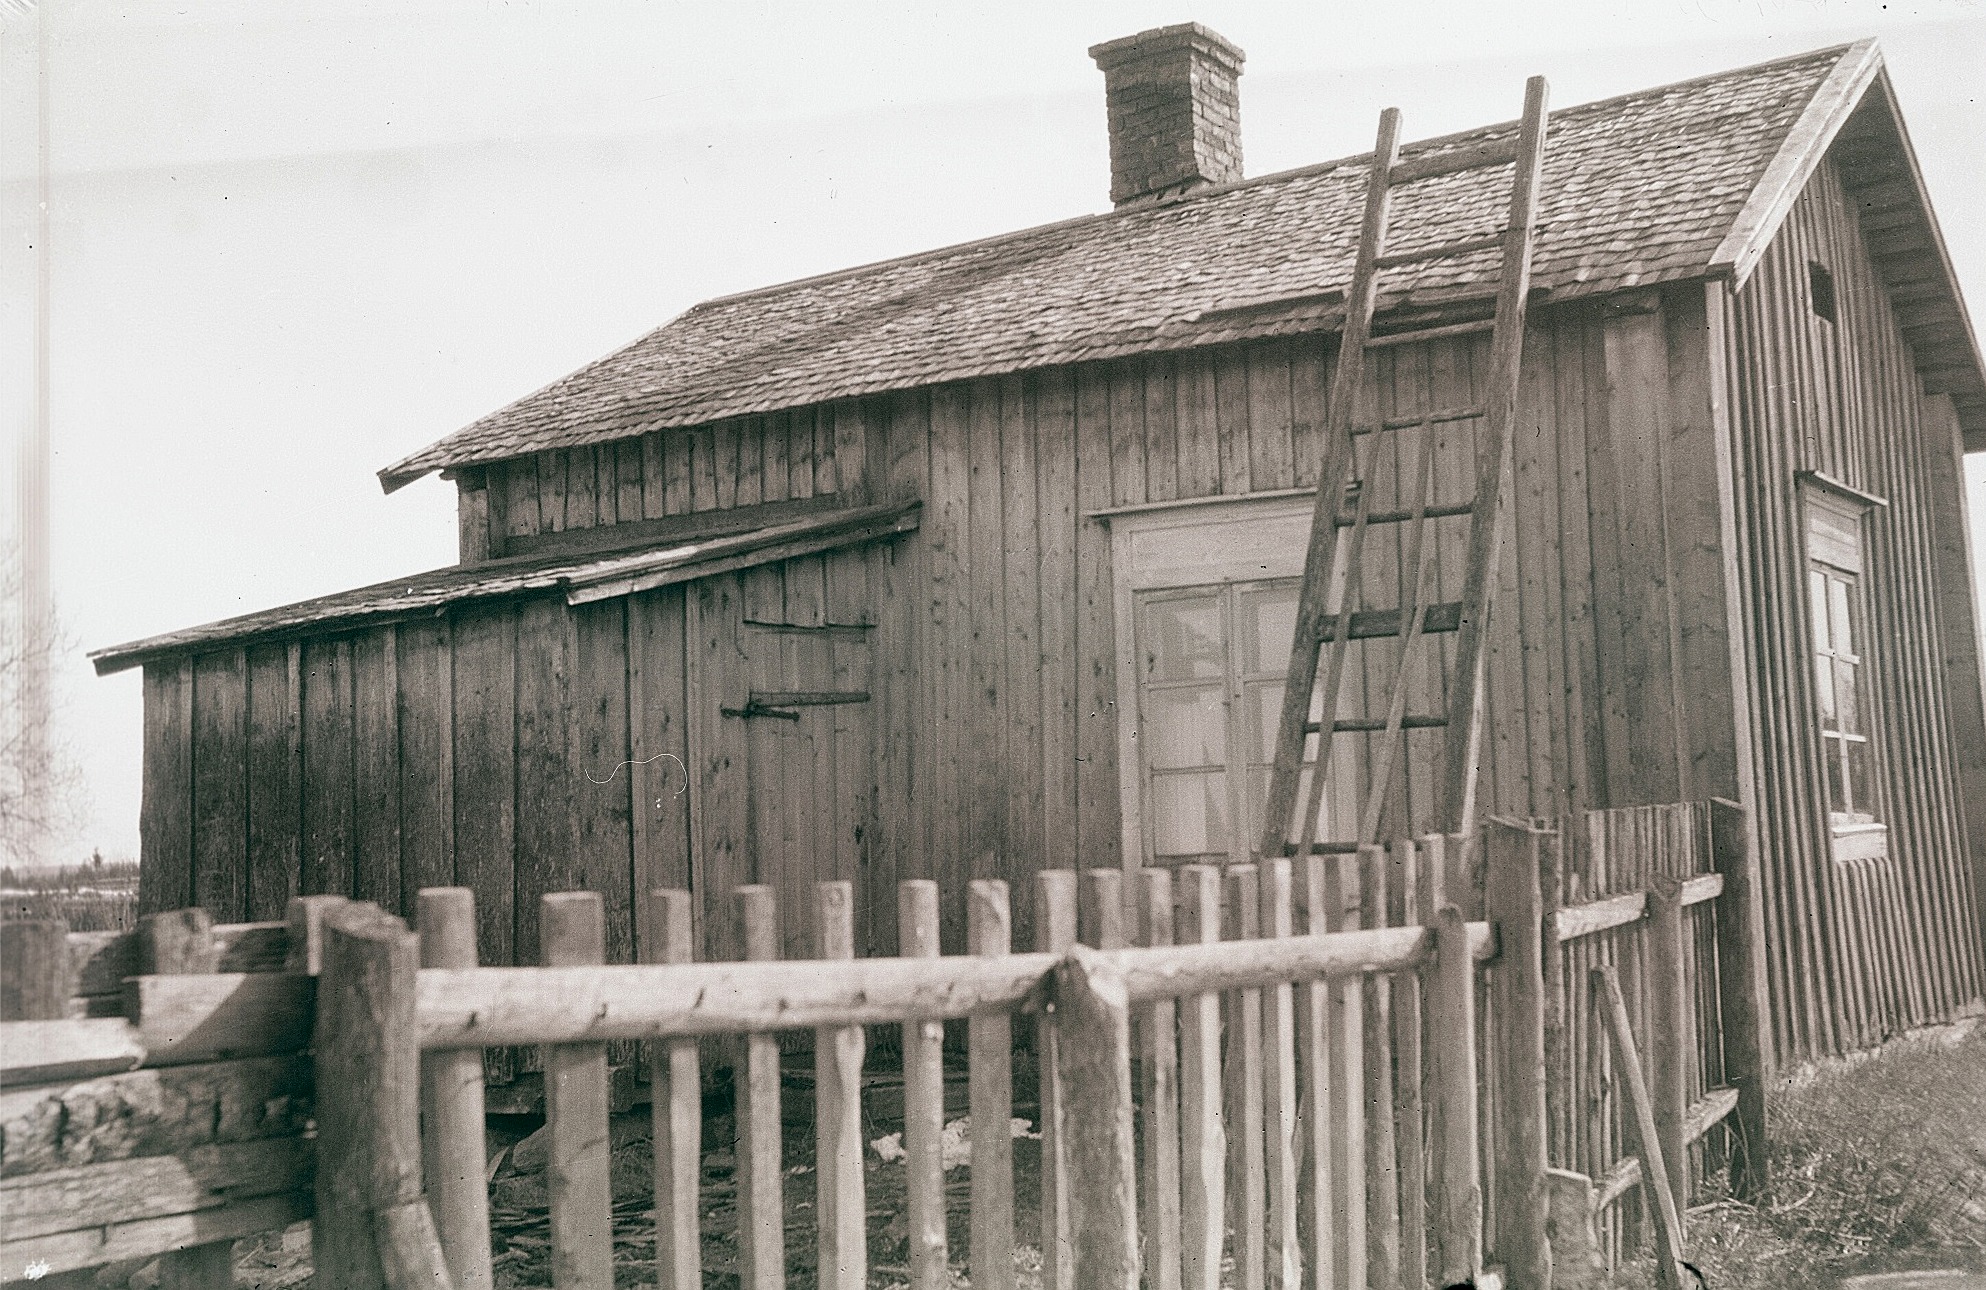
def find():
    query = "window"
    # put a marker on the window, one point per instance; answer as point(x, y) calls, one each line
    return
point(1835, 570)
point(1205, 606)
point(1210, 662)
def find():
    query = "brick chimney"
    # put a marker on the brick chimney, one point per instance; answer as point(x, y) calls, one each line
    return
point(1175, 114)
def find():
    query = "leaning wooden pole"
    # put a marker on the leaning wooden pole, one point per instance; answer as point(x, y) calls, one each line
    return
point(372, 1230)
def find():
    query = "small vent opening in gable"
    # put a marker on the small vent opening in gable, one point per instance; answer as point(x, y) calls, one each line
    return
point(1820, 289)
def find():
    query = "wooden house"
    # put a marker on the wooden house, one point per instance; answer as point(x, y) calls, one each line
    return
point(982, 560)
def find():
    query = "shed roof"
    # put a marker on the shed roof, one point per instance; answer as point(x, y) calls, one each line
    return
point(1685, 180)
point(578, 579)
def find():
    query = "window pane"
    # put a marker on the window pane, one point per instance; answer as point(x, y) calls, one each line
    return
point(1186, 727)
point(1183, 639)
point(1844, 636)
point(1258, 801)
point(1824, 689)
point(1262, 710)
point(1817, 589)
point(1850, 711)
point(1267, 618)
point(1189, 814)
point(1837, 799)
point(1861, 786)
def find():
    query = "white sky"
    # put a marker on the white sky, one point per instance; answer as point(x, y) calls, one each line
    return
point(294, 241)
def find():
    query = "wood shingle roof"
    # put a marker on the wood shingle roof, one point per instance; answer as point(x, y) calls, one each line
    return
point(1641, 189)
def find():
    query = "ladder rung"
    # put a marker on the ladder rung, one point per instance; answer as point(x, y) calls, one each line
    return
point(1443, 417)
point(1374, 725)
point(1324, 848)
point(1431, 333)
point(1370, 623)
point(1401, 517)
point(1493, 152)
point(1440, 251)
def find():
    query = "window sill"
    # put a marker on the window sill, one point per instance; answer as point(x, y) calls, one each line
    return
point(1860, 841)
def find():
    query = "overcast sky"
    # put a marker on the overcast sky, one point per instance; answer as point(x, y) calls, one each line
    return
point(293, 242)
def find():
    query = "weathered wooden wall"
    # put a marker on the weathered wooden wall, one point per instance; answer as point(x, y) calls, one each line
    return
point(459, 749)
point(1858, 950)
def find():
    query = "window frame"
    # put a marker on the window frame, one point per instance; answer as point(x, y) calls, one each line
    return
point(1224, 543)
point(1835, 560)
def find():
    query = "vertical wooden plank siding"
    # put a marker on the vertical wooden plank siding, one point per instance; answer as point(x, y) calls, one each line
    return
point(1856, 950)
point(376, 758)
point(427, 757)
point(485, 641)
point(165, 817)
point(273, 782)
point(220, 784)
point(327, 767)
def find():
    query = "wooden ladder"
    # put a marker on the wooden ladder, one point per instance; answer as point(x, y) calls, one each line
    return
point(1337, 535)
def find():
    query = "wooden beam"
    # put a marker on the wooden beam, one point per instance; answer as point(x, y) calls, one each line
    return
point(44, 1052)
point(126, 1191)
point(181, 1019)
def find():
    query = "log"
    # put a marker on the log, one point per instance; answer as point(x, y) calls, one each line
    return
point(1202, 1128)
point(144, 1238)
point(990, 1055)
point(1516, 907)
point(99, 961)
point(572, 933)
point(1646, 1137)
point(1742, 999)
point(152, 1112)
point(676, 1108)
point(923, 1097)
point(177, 942)
point(1451, 1000)
point(45, 1052)
point(455, 1154)
point(304, 944)
point(1578, 1261)
point(1670, 1049)
point(839, 1194)
point(1093, 1056)
point(124, 1191)
point(182, 1019)
point(368, 1102)
point(34, 970)
point(1055, 932)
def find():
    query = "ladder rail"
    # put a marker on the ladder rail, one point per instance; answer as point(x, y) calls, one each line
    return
point(1463, 743)
point(1329, 543)
point(1347, 383)
point(1419, 555)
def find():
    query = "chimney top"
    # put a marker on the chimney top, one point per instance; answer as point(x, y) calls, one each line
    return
point(1175, 111)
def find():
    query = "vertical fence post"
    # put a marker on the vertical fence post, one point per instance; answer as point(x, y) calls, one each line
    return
point(1669, 1049)
point(1202, 1131)
point(1451, 1001)
point(838, 1196)
point(923, 1098)
point(1249, 1177)
point(676, 1113)
point(1515, 906)
point(1158, 1054)
point(1093, 1059)
point(1382, 1172)
point(1741, 993)
point(1405, 908)
point(760, 1169)
point(990, 1056)
point(1055, 932)
point(371, 1229)
point(1350, 1237)
point(452, 1104)
point(1317, 1182)
point(180, 942)
point(1284, 1264)
point(572, 933)
point(34, 970)
point(306, 932)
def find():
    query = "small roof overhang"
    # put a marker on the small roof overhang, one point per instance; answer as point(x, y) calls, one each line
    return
point(580, 580)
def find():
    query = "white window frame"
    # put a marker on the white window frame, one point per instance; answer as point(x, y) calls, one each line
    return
point(1834, 541)
point(1168, 546)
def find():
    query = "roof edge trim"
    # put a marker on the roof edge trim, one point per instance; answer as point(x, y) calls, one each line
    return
point(1799, 155)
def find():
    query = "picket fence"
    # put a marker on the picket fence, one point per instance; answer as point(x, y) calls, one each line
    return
point(1265, 1075)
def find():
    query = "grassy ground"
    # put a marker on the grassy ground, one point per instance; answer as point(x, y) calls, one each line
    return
point(1877, 1164)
